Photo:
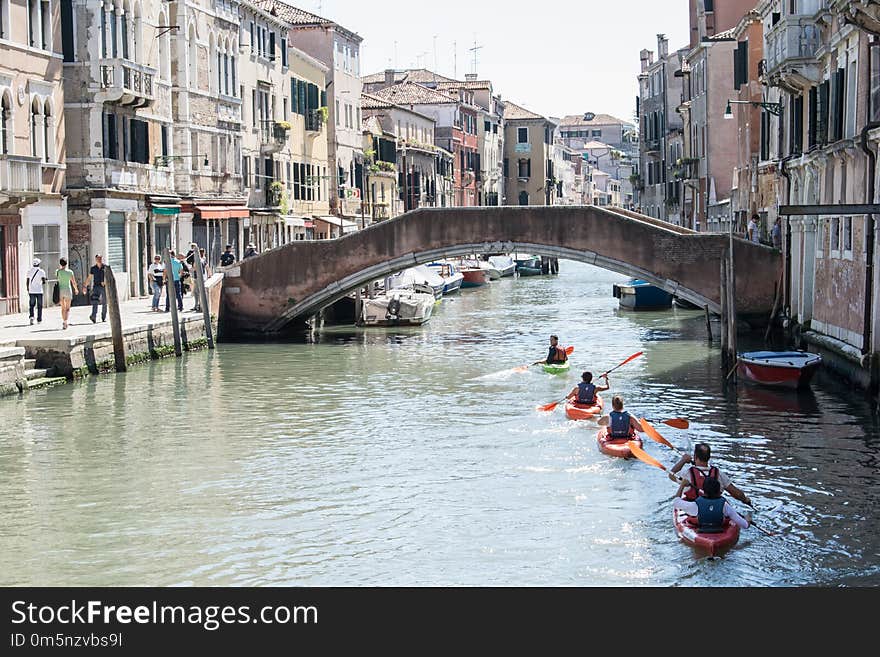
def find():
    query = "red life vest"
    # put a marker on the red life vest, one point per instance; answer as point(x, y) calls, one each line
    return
point(561, 356)
point(697, 478)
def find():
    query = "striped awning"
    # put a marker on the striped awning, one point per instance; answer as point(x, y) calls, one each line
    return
point(222, 211)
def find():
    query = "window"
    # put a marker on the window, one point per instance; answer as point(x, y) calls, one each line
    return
point(847, 234)
point(111, 143)
point(522, 135)
point(48, 134)
point(36, 129)
point(487, 126)
point(524, 169)
point(874, 110)
point(283, 51)
point(5, 123)
point(246, 171)
point(597, 133)
point(337, 112)
point(47, 246)
point(835, 234)
point(116, 241)
point(523, 198)
point(852, 78)
point(139, 141)
point(67, 45)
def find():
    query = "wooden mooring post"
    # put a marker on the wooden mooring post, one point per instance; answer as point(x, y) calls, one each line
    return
point(115, 319)
point(202, 294)
point(708, 324)
point(732, 356)
point(722, 292)
point(172, 301)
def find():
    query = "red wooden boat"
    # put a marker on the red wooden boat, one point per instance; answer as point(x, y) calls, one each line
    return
point(474, 277)
point(615, 446)
point(714, 544)
point(575, 411)
point(785, 369)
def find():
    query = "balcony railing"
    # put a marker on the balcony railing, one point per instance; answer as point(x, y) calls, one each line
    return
point(380, 211)
point(314, 121)
point(273, 136)
point(126, 82)
point(794, 40)
point(20, 175)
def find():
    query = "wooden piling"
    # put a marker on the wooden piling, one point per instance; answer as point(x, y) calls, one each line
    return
point(172, 301)
point(115, 319)
point(776, 300)
point(708, 323)
point(201, 291)
point(723, 299)
point(731, 314)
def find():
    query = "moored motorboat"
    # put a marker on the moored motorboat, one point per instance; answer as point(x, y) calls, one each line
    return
point(557, 368)
point(399, 307)
point(504, 264)
point(450, 274)
point(475, 263)
point(713, 543)
point(420, 275)
point(641, 295)
point(575, 411)
point(474, 278)
point(615, 446)
point(528, 265)
point(784, 369)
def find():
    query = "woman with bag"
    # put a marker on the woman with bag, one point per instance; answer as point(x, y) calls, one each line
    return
point(66, 288)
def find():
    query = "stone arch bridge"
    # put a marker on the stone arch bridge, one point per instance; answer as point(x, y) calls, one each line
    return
point(265, 294)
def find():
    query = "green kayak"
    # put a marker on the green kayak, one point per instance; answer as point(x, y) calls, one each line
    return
point(558, 368)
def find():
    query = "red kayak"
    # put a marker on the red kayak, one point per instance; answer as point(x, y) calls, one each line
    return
point(617, 446)
point(714, 544)
point(575, 411)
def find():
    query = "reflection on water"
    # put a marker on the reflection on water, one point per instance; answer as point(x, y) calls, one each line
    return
point(411, 457)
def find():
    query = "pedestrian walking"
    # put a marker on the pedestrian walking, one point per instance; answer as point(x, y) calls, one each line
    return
point(227, 258)
point(754, 233)
point(156, 276)
point(178, 267)
point(250, 252)
point(66, 287)
point(35, 279)
point(99, 293)
point(776, 234)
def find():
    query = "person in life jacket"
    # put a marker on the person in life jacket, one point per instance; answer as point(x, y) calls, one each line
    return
point(695, 470)
point(710, 509)
point(621, 425)
point(556, 355)
point(584, 393)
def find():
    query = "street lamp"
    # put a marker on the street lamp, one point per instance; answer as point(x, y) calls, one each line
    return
point(774, 108)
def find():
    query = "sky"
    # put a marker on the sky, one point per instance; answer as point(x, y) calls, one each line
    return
point(563, 57)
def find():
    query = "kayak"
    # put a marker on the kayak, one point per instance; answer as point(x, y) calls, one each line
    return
point(575, 411)
point(714, 544)
point(557, 368)
point(617, 446)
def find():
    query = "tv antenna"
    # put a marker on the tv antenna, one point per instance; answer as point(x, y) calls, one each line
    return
point(475, 50)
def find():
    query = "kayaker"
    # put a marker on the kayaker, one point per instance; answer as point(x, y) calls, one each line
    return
point(621, 424)
point(556, 355)
point(585, 392)
point(711, 509)
point(694, 472)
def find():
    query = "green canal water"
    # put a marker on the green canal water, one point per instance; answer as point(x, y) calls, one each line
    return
point(389, 457)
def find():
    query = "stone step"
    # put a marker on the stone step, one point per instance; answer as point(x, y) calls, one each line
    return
point(45, 382)
point(29, 363)
point(33, 375)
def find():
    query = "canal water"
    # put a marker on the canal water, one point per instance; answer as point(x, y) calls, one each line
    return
point(402, 457)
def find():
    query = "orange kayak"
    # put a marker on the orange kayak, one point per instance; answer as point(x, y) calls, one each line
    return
point(575, 411)
point(615, 446)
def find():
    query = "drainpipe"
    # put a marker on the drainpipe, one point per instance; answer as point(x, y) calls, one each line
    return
point(870, 237)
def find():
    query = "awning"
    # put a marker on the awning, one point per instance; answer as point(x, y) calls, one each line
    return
point(346, 225)
point(164, 209)
point(222, 211)
point(309, 224)
point(294, 222)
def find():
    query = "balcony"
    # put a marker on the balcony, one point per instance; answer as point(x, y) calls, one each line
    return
point(653, 146)
point(273, 136)
point(315, 120)
point(127, 83)
point(380, 211)
point(791, 47)
point(20, 175)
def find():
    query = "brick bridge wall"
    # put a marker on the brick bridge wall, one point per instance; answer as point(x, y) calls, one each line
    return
point(263, 294)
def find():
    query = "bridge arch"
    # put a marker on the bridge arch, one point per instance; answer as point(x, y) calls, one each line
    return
point(262, 295)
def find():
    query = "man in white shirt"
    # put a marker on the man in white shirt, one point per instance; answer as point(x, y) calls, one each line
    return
point(705, 508)
point(35, 279)
point(695, 470)
point(754, 233)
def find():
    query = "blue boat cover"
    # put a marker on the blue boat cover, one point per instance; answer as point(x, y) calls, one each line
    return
point(776, 354)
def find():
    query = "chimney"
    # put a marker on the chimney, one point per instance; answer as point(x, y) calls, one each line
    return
point(647, 58)
point(662, 46)
point(470, 77)
point(389, 76)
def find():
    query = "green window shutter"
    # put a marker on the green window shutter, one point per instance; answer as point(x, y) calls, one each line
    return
point(116, 241)
point(301, 97)
point(294, 96)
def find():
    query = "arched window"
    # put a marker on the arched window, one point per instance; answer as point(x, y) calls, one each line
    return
point(226, 80)
point(523, 198)
point(6, 131)
point(114, 32)
point(48, 132)
point(233, 82)
point(193, 58)
point(123, 27)
point(164, 63)
point(36, 129)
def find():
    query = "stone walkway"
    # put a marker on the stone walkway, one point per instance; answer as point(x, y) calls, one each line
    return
point(135, 313)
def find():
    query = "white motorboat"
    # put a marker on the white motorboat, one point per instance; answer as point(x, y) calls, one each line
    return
point(504, 264)
point(476, 263)
point(421, 275)
point(405, 306)
point(450, 274)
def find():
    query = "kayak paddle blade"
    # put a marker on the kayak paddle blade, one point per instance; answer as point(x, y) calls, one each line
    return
point(643, 456)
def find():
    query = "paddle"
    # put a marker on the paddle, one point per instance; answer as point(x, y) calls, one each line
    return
point(654, 435)
point(547, 408)
point(643, 456)
point(524, 368)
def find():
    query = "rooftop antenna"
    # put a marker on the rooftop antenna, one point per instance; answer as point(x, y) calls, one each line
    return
point(474, 50)
point(455, 59)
